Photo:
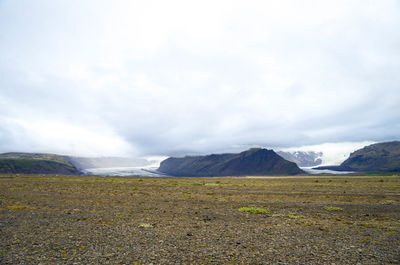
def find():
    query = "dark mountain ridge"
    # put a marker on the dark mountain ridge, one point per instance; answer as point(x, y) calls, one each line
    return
point(380, 157)
point(253, 162)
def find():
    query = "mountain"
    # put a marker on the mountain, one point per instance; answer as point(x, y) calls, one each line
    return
point(383, 157)
point(39, 163)
point(303, 159)
point(34, 163)
point(253, 162)
point(106, 162)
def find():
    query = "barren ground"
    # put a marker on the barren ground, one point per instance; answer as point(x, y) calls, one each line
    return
point(95, 220)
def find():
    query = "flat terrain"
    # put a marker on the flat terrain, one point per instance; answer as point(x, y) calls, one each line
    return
point(94, 220)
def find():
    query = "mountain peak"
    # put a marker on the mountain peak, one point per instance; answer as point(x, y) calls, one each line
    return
point(255, 161)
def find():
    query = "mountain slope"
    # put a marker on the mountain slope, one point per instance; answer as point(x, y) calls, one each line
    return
point(383, 157)
point(256, 162)
point(376, 157)
point(34, 163)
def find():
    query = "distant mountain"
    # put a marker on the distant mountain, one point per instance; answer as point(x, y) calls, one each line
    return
point(34, 163)
point(384, 157)
point(105, 162)
point(253, 162)
point(39, 163)
point(303, 159)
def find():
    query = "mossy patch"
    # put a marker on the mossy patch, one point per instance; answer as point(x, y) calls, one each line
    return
point(255, 210)
point(333, 208)
point(20, 207)
point(145, 225)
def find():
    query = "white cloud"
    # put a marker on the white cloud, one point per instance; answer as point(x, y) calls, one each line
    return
point(61, 138)
point(170, 77)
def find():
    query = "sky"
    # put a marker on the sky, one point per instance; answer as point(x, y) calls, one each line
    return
point(147, 78)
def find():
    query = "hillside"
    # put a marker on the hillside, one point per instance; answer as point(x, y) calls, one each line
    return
point(256, 162)
point(34, 163)
point(381, 157)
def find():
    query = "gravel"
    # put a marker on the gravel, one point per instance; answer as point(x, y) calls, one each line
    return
point(88, 220)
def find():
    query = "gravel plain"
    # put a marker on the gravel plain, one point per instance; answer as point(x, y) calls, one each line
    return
point(95, 220)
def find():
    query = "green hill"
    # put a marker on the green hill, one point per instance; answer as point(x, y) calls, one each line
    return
point(34, 163)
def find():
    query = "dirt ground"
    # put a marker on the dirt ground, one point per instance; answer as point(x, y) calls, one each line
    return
point(97, 220)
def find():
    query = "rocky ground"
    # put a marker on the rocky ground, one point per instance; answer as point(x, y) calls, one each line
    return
point(94, 220)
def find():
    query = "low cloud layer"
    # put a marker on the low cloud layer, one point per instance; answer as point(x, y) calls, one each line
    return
point(139, 78)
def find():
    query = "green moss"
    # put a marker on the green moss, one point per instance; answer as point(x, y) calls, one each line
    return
point(145, 225)
point(333, 208)
point(253, 210)
point(278, 215)
point(20, 207)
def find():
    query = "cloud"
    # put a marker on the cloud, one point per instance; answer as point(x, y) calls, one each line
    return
point(162, 78)
point(58, 137)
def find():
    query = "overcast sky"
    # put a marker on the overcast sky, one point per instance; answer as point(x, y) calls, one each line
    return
point(137, 78)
